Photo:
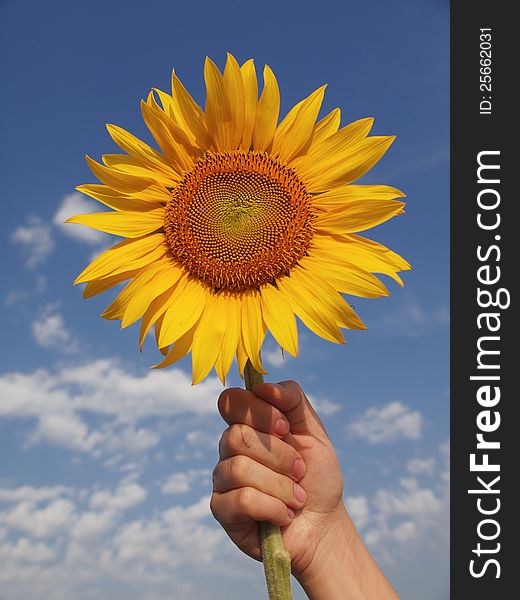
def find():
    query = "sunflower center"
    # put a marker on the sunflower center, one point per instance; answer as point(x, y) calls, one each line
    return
point(239, 219)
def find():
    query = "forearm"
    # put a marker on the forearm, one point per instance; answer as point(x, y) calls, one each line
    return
point(342, 568)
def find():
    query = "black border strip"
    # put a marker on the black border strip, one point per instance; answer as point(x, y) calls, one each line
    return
point(474, 132)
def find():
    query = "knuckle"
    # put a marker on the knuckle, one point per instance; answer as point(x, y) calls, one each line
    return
point(224, 443)
point(237, 468)
point(234, 438)
point(288, 488)
point(244, 437)
point(214, 505)
point(215, 473)
point(244, 499)
point(293, 388)
point(290, 383)
point(285, 457)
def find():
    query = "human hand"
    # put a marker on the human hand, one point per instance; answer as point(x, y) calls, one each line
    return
point(278, 464)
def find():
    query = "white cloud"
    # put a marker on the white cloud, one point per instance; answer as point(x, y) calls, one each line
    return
point(421, 466)
point(50, 331)
point(177, 537)
point(127, 495)
point(407, 516)
point(75, 204)
point(28, 493)
point(410, 499)
point(57, 400)
point(411, 318)
point(35, 237)
point(324, 406)
point(405, 531)
point(182, 482)
point(130, 438)
point(60, 547)
point(202, 438)
point(92, 525)
point(39, 522)
point(357, 507)
point(65, 430)
point(394, 421)
point(105, 509)
point(16, 297)
point(198, 442)
point(273, 356)
point(396, 520)
point(45, 547)
point(35, 240)
point(23, 550)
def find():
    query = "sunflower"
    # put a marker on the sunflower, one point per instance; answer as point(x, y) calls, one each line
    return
point(239, 223)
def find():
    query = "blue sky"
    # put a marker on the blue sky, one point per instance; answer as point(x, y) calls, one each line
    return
point(104, 465)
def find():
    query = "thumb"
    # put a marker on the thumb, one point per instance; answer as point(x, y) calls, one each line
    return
point(289, 398)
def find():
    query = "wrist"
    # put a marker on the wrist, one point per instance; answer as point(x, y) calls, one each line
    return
point(323, 578)
point(342, 568)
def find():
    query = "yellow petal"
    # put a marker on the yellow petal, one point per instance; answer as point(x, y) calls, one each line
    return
point(190, 114)
point(294, 134)
point(181, 347)
point(139, 149)
point(267, 112)
point(133, 290)
point(158, 324)
point(345, 142)
point(164, 278)
point(181, 135)
point(133, 166)
point(218, 107)
point(122, 182)
point(236, 94)
point(374, 247)
point(344, 276)
point(157, 308)
point(357, 215)
point(253, 331)
point(326, 127)
point(101, 285)
point(162, 130)
point(352, 165)
point(125, 256)
point(279, 319)
point(309, 308)
point(127, 224)
point(251, 101)
point(231, 337)
point(183, 312)
point(208, 336)
point(241, 357)
point(329, 298)
point(366, 254)
point(341, 196)
point(117, 200)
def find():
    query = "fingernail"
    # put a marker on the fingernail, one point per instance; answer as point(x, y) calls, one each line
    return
point(298, 469)
point(281, 427)
point(290, 513)
point(299, 493)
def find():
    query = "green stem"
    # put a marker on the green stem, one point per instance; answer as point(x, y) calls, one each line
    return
point(276, 559)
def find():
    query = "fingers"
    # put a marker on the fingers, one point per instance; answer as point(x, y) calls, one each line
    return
point(268, 450)
point(240, 406)
point(235, 508)
point(289, 399)
point(243, 472)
